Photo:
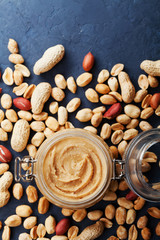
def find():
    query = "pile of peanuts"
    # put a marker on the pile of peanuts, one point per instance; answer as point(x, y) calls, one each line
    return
point(30, 116)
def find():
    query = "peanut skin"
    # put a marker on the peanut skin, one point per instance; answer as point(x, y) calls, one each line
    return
point(40, 95)
point(20, 135)
point(49, 59)
point(127, 88)
point(151, 67)
point(91, 232)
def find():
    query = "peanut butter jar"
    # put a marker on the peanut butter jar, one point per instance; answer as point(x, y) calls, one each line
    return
point(74, 168)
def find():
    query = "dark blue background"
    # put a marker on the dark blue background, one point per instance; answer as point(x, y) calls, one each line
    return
point(115, 31)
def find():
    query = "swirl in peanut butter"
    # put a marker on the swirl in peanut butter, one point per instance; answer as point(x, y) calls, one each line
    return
point(74, 168)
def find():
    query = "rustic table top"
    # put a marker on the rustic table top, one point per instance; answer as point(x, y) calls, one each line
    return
point(114, 31)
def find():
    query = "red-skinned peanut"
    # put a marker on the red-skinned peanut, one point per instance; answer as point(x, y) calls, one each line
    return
point(88, 62)
point(5, 154)
point(113, 111)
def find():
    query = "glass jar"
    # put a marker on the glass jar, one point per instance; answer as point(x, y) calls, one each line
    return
point(130, 168)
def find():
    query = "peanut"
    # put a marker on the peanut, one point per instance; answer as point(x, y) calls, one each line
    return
point(91, 232)
point(53, 107)
point(40, 95)
point(133, 124)
point(139, 203)
point(146, 233)
point(73, 232)
point(32, 150)
point(103, 76)
point(18, 77)
point(48, 132)
point(144, 126)
point(6, 101)
point(107, 222)
point(116, 69)
point(121, 215)
point(50, 58)
point(133, 233)
point(130, 134)
point(16, 58)
point(12, 46)
point(92, 95)
point(30, 222)
point(23, 69)
point(127, 88)
point(52, 123)
point(3, 135)
point(151, 67)
point(33, 232)
point(79, 215)
point(153, 82)
point(26, 115)
point(40, 117)
point(117, 126)
point(131, 216)
point(154, 212)
point(146, 101)
point(105, 131)
point(6, 125)
point(13, 221)
point(91, 129)
point(146, 113)
point(142, 222)
point(122, 232)
point(23, 211)
point(17, 191)
point(117, 137)
point(123, 119)
point(24, 236)
point(123, 202)
point(101, 109)
point(32, 194)
point(113, 84)
point(143, 82)
point(41, 230)
point(50, 224)
point(3, 168)
point(157, 230)
point(37, 126)
point(95, 215)
point(20, 135)
point(114, 151)
point(110, 211)
point(58, 94)
point(19, 91)
point(60, 81)
point(11, 115)
point(67, 212)
point(43, 205)
point(96, 119)
point(6, 233)
point(110, 196)
point(102, 88)
point(29, 91)
point(84, 79)
point(107, 99)
point(140, 95)
point(7, 76)
point(116, 95)
point(71, 85)
point(62, 115)
point(84, 115)
point(1, 115)
point(132, 111)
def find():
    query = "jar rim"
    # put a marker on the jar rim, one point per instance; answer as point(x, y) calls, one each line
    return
point(41, 156)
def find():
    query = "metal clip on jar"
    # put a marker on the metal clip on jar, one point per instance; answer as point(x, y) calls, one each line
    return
point(100, 165)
